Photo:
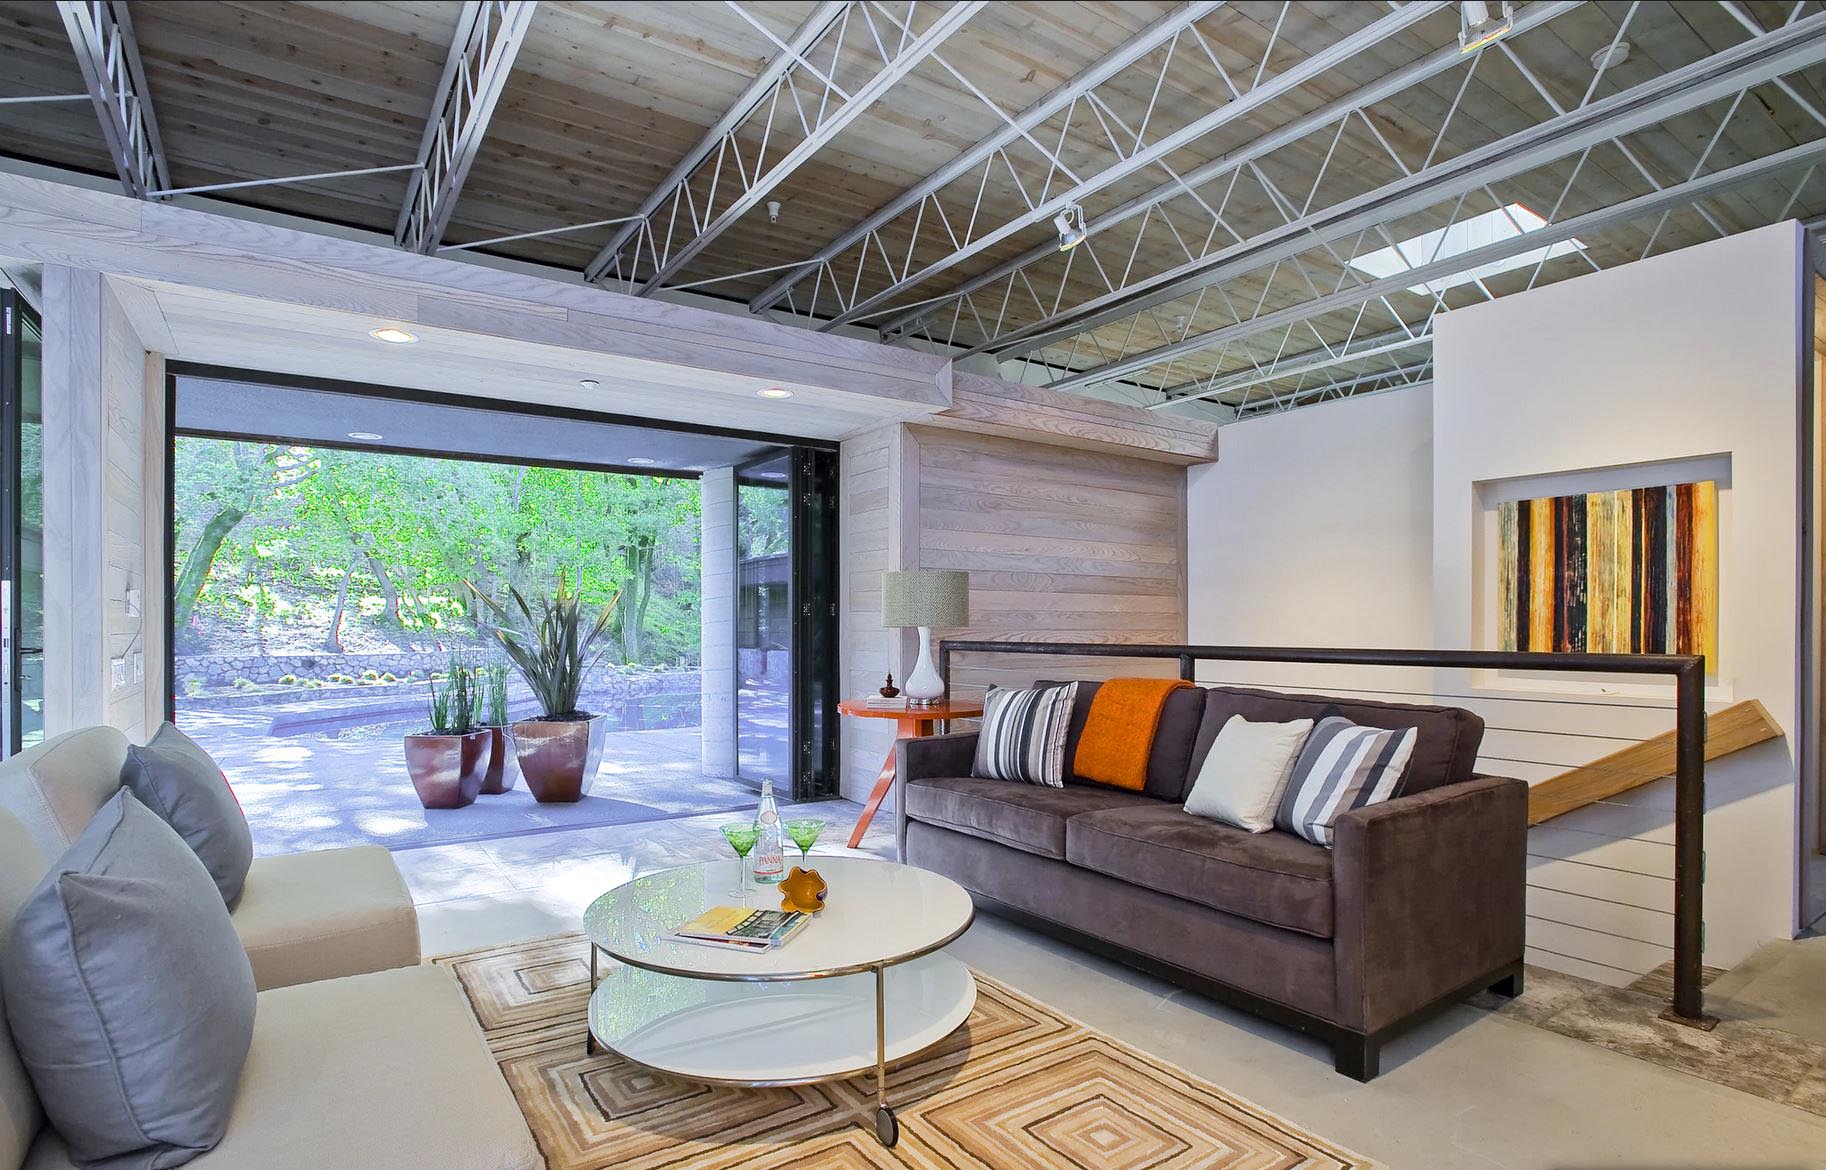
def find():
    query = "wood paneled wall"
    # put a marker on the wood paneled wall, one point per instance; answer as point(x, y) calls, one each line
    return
point(1060, 544)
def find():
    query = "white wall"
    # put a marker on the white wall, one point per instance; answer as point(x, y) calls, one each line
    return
point(1359, 522)
point(102, 480)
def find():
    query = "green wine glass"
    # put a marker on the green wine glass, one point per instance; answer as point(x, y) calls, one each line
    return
point(804, 833)
point(742, 837)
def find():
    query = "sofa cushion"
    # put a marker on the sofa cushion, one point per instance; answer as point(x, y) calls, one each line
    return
point(22, 864)
point(128, 994)
point(1446, 752)
point(323, 915)
point(1342, 767)
point(57, 787)
point(1245, 773)
point(175, 778)
point(1024, 816)
point(386, 1070)
point(1170, 760)
point(1273, 878)
point(1022, 736)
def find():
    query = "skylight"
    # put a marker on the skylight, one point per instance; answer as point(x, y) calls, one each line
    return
point(1504, 223)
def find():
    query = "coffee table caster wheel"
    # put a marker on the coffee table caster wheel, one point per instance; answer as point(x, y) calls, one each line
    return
point(887, 1127)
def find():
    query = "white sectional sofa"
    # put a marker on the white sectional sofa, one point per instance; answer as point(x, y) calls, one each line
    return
point(361, 1056)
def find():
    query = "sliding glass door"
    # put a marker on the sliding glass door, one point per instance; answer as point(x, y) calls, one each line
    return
point(21, 528)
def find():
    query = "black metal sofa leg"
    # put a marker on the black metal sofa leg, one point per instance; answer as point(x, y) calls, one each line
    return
point(1509, 986)
point(1357, 1056)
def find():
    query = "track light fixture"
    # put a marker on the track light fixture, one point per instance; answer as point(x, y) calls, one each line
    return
point(1478, 29)
point(1070, 222)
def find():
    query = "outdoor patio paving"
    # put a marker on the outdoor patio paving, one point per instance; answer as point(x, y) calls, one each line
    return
point(305, 792)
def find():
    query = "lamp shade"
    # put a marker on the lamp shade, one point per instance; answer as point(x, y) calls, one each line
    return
point(936, 598)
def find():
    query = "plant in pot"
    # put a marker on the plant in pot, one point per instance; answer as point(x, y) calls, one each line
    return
point(558, 752)
point(503, 770)
point(447, 762)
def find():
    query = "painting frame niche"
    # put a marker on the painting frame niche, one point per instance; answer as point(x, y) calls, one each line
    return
point(1627, 571)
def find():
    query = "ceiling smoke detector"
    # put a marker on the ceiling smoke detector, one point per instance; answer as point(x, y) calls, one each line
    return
point(1478, 29)
point(1610, 56)
point(1072, 230)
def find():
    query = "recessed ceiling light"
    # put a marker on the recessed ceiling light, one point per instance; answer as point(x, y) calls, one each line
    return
point(365, 436)
point(588, 383)
point(775, 392)
point(393, 335)
point(641, 460)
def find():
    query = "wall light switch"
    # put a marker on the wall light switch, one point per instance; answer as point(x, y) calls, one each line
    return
point(120, 673)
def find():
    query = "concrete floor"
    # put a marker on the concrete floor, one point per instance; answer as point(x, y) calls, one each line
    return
point(1469, 1089)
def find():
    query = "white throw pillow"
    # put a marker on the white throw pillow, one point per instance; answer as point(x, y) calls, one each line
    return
point(1246, 772)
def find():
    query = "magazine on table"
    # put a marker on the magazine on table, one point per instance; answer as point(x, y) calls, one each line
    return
point(742, 929)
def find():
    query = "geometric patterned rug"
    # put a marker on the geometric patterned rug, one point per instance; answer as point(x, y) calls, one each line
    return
point(1019, 1086)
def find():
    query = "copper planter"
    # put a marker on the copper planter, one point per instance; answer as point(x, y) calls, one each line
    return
point(559, 757)
point(447, 770)
point(503, 770)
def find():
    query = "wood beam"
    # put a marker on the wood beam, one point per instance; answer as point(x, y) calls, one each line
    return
point(1733, 729)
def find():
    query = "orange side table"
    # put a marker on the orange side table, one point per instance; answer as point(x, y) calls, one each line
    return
point(912, 723)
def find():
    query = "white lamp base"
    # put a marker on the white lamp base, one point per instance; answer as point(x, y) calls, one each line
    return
point(924, 687)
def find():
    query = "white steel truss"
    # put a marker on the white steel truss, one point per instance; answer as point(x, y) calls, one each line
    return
point(1007, 280)
point(101, 32)
point(1346, 322)
point(1765, 57)
point(1806, 157)
point(722, 180)
point(1126, 148)
point(488, 38)
point(989, 154)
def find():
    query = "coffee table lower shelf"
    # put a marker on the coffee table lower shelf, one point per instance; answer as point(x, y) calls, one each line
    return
point(793, 1032)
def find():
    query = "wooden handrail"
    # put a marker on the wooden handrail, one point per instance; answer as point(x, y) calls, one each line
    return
point(1733, 729)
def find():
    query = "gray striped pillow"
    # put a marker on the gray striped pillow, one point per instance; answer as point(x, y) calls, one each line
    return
point(1343, 766)
point(1023, 735)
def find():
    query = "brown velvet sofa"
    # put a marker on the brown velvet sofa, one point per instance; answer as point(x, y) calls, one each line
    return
point(1418, 903)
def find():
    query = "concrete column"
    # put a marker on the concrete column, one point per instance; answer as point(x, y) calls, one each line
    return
point(716, 549)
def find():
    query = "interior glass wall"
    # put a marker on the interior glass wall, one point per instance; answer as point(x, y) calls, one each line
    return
point(21, 528)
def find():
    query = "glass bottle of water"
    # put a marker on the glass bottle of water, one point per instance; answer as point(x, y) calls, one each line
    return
point(770, 850)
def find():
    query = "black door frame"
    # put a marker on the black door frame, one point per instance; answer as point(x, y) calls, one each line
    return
point(14, 313)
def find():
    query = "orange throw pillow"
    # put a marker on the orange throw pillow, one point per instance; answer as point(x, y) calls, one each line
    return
point(1119, 731)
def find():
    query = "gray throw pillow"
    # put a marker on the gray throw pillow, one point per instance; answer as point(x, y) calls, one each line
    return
point(178, 780)
point(130, 997)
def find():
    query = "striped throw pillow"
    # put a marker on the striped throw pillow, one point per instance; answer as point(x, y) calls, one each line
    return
point(1023, 735)
point(1343, 766)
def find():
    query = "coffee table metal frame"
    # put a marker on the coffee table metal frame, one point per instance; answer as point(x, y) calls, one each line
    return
point(887, 1125)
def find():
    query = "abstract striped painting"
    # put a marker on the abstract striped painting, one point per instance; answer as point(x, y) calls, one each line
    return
point(1623, 572)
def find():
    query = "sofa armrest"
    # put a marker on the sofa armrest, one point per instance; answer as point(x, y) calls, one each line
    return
point(916, 759)
point(1430, 896)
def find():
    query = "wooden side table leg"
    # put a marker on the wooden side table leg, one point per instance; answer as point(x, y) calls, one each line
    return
point(883, 782)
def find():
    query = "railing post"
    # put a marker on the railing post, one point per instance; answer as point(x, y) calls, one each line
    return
point(1689, 845)
point(1187, 668)
point(944, 668)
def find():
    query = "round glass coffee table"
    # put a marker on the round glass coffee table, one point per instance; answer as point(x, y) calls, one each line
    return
point(863, 986)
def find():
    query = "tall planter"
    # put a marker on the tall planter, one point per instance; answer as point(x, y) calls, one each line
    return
point(559, 757)
point(503, 770)
point(447, 770)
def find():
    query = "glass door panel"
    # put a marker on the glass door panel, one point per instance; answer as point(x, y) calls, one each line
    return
point(764, 622)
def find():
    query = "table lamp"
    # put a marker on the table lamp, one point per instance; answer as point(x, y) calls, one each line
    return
point(925, 599)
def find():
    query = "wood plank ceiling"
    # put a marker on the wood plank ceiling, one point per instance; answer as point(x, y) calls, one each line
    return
point(605, 98)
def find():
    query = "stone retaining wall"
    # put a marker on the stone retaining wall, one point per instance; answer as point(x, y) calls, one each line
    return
point(221, 670)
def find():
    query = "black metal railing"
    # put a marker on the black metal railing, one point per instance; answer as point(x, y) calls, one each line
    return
point(1688, 671)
